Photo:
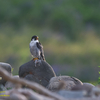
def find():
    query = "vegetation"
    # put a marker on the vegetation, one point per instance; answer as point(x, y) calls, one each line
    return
point(68, 29)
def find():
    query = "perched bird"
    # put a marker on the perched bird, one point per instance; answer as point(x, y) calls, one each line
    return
point(36, 49)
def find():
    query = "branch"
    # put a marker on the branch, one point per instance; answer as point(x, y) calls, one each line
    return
point(33, 85)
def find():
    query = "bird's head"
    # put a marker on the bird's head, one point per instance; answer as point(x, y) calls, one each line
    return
point(34, 37)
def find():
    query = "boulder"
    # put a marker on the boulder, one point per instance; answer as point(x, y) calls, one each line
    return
point(23, 94)
point(40, 73)
point(8, 68)
point(72, 94)
point(10, 85)
point(2, 87)
point(85, 87)
point(95, 92)
point(88, 85)
point(63, 82)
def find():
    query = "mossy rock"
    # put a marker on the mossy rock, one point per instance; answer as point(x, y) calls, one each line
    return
point(40, 73)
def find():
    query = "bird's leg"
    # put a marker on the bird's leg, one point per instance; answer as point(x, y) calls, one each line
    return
point(37, 61)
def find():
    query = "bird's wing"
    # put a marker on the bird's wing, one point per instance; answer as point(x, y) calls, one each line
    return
point(39, 45)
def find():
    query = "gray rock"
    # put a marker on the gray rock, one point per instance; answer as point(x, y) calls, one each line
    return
point(23, 94)
point(72, 94)
point(17, 96)
point(40, 74)
point(31, 77)
point(10, 85)
point(63, 82)
point(8, 68)
point(2, 87)
point(95, 92)
point(86, 86)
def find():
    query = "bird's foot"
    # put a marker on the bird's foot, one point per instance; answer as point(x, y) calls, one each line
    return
point(37, 61)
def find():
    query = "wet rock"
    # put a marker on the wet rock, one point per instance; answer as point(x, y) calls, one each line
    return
point(40, 74)
point(69, 82)
point(8, 68)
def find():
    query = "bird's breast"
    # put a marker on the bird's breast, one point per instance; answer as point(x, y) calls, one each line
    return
point(32, 44)
point(34, 50)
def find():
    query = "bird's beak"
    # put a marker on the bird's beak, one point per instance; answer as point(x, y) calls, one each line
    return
point(37, 38)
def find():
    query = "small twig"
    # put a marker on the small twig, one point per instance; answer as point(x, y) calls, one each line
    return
point(40, 89)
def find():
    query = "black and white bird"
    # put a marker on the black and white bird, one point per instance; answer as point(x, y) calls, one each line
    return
point(36, 49)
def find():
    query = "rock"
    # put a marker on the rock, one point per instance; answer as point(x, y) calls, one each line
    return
point(72, 94)
point(17, 96)
point(95, 92)
point(23, 94)
point(2, 87)
point(85, 87)
point(69, 82)
point(31, 77)
point(40, 74)
point(10, 85)
point(8, 68)
point(88, 85)
point(31, 95)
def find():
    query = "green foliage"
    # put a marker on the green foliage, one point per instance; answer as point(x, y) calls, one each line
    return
point(99, 77)
point(66, 16)
point(12, 69)
point(9, 88)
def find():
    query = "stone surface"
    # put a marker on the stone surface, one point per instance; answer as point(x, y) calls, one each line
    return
point(8, 68)
point(72, 94)
point(40, 74)
point(88, 85)
point(2, 87)
point(23, 94)
point(56, 83)
point(95, 91)
point(10, 85)
point(85, 87)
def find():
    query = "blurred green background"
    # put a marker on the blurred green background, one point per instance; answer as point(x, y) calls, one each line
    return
point(69, 30)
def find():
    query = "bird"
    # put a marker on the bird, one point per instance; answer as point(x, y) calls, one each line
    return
point(36, 49)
